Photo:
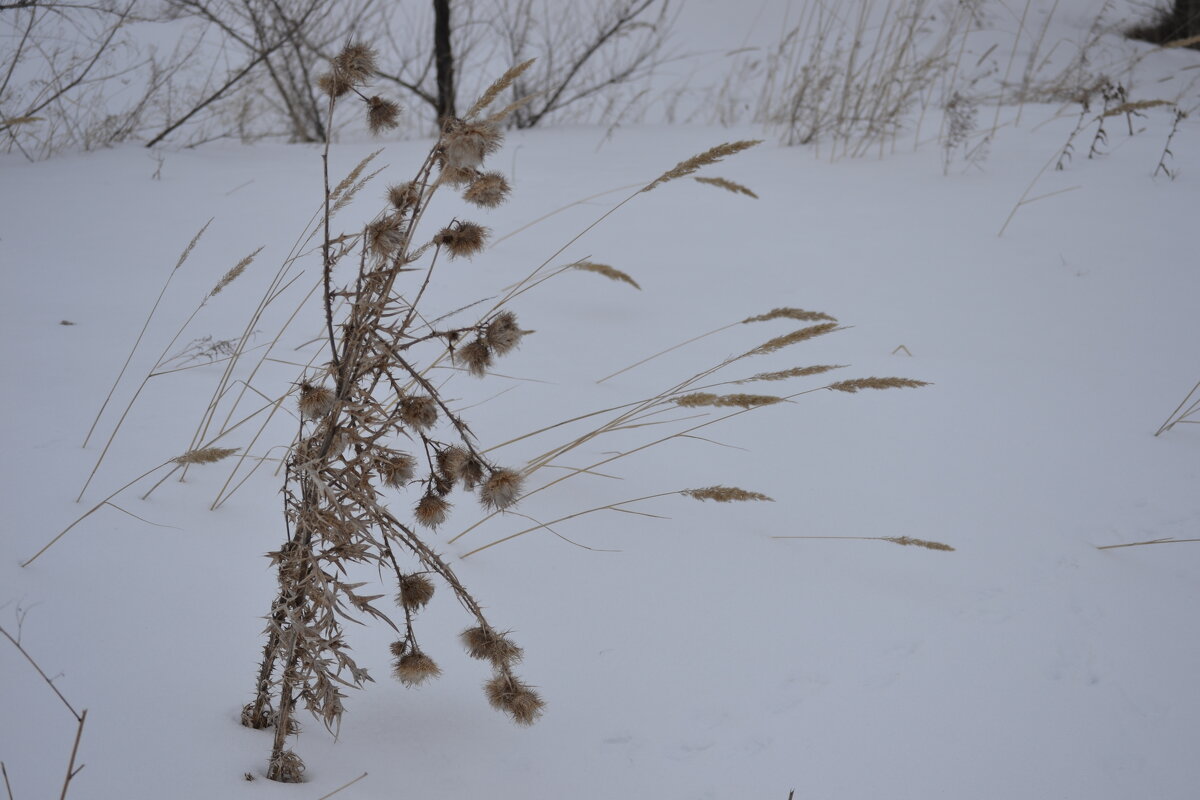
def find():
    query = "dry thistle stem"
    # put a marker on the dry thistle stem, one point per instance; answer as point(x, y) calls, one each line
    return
point(606, 271)
point(725, 494)
point(853, 385)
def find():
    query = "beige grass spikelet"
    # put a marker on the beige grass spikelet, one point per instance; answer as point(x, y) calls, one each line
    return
point(699, 399)
point(461, 240)
point(853, 385)
point(416, 591)
point(794, 372)
point(1134, 106)
point(513, 696)
point(607, 271)
point(499, 85)
point(710, 156)
point(234, 273)
point(909, 541)
point(501, 490)
point(431, 511)
point(489, 645)
point(413, 669)
point(795, 337)
point(727, 185)
point(418, 412)
point(725, 494)
point(798, 314)
point(489, 190)
point(205, 455)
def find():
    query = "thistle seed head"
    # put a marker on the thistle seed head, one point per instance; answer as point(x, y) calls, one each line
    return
point(503, 333)
point(431, 511)
point(334, 83)
point(467, 144)
point(514, 697)
point(458, 176)
point(488, 190)
point(413, 669)
point(452, 461)
point(382, 115)
point(463, 239)
point(315, 401)
point(489, 645)
point(385, 236)
point(501, 490)
point(356, 63)
point(418, 412)
point(398, 647)
point(476, 356)
point(396, 470)
point(415, 592)
point(404, 195)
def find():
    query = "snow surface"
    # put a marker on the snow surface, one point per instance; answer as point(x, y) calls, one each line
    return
point(702, 658)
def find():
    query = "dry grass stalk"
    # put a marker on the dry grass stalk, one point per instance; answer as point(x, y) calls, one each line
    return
point(795, 372)
point(906, 541)
point(853, 385)
point(1183, 411)
point(498, 86)
point(1150, 541)
point(205, 455)
point(234, 273)
point(727, 185)
point(725, 494)
point(604, 269)
point(798, 314)
point(710, 156)
point(1135, 106)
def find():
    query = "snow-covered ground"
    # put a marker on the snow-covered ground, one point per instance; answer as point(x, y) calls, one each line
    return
point(696, 656)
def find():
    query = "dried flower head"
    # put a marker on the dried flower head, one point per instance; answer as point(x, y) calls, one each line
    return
point(385, 236)
point(476, 356)
point(205, 455)
point(334, 83)
point(452, 460)
point(431, 511)
point(415, 592)
point(399, 647)
point(418, 412)
point(501, 490)
point(467, 144)
point(404, 195)
point(413, 669)
point(513, 696)
point(315, 401)
point(457, 176)
point(489, 645)
point(396, 469)
point(503, 333)
point(382, 115)
point(461, 239)
point(356, 63)
point(488, 190)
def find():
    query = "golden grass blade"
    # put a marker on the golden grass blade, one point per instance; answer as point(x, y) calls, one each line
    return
point(727, 185)
point(710, 156)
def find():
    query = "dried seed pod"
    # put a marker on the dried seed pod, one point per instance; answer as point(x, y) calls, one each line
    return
point(385, 236)
point(334, 83)
point(382, 115)
point(315, 401)
point(503, 333)
point(489, 645)
point(452, 460)
point(472, 473)
point(418, 412)
point(488, 190)
point(466, 144)
point(516, 698)
point(415, 592)
point(431, 511)
point(413, 669)
point(396, 469)
point(356, 63)
point(399, 647)
point(476, 356)
point(501, 490)
point(404, 195)
point(461, 240)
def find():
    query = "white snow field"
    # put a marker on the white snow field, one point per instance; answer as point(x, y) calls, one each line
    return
point(697, 654)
